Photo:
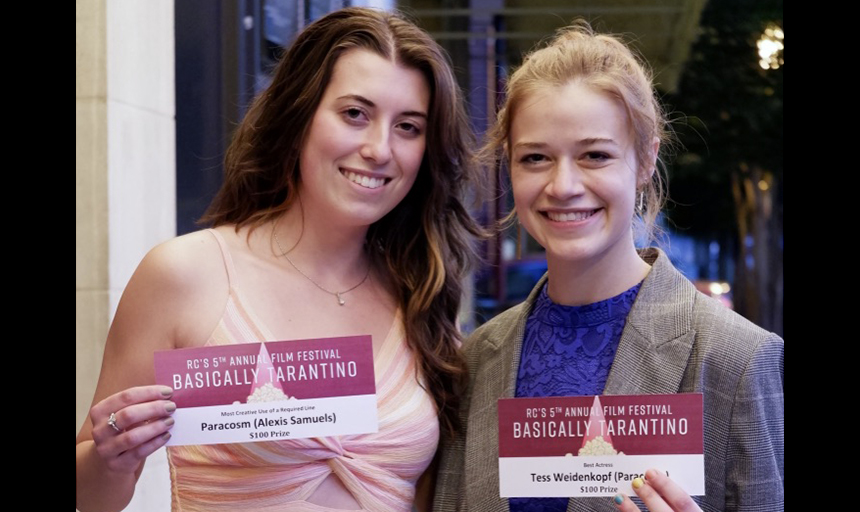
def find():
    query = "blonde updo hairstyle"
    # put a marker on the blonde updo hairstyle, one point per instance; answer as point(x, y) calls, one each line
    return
point(604, 63)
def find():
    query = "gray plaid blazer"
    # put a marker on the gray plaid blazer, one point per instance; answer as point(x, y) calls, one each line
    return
point(675, 340)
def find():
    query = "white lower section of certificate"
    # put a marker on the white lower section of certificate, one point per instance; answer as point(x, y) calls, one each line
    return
point(578, 477)
point(271, 421)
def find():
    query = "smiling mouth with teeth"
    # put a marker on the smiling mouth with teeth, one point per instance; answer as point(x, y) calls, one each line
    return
point(364, 181)
point(569, 216)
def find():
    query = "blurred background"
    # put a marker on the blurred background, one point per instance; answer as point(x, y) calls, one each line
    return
point(160, 85)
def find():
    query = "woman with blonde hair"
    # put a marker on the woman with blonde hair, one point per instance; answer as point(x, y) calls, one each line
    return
point(341, 214)
point(581, 131)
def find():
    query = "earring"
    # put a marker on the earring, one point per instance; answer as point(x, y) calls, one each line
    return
point(641, 206)
point(519, 252)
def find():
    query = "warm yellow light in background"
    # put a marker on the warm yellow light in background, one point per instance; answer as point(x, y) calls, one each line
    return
point(717, 288)
point(771, 45)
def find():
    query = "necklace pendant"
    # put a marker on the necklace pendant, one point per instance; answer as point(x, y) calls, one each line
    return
point(340, 299)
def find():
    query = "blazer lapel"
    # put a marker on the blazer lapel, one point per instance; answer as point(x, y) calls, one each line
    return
point(654, 347)
point(658, 337)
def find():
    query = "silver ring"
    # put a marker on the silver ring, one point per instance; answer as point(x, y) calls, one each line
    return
point(112, 422)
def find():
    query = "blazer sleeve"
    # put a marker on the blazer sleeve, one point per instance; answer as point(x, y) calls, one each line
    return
point(755, 469)
point(450, 493)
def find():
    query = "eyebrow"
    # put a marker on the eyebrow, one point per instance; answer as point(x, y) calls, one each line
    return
point(597, 140)
point(586, 142)
point(361, 99)
point(530, 145)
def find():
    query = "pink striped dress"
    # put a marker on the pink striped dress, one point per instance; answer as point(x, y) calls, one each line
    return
point(380, 470)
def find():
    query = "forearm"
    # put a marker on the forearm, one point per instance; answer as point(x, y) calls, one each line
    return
point(97, 487)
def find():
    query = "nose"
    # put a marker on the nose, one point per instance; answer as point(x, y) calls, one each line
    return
point(376, 147)
point(565, 181)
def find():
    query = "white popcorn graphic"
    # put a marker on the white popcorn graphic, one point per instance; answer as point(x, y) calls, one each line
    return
point(269, 391)
point(598, 446)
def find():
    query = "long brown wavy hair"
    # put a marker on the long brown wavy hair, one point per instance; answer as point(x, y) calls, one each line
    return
point(425, 243)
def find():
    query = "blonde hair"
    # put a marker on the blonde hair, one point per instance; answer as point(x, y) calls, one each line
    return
point(604, 63)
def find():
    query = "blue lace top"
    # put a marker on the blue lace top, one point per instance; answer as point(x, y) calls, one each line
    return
point(568, 351)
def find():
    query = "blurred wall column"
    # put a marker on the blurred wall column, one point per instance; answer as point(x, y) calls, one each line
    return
point(125, 163)
point(91, 211)
point(483, 88)
point(482, 63)
point(141, 133)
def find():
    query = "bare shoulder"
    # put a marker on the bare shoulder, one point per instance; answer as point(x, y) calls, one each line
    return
point(177, 292)
point(183, 264)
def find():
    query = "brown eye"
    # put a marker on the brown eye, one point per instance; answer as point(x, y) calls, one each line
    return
point(354, 114)
point(410, 128)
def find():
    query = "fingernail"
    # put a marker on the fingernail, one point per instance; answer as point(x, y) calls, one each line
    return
point(650, 474)
point(637, 483)
point(169, 421)
point(170, 407)
point(166, 391)
point(165, 436)
point(619, 499)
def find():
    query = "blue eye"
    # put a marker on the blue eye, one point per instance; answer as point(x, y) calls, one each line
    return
point(597, 156)
point(532, 158)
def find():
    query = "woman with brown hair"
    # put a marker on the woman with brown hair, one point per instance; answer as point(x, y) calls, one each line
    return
point(341, 213)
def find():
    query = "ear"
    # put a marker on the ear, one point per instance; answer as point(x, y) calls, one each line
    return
point(649, 166)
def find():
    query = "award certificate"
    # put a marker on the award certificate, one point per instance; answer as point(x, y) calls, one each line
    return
point(269, 391)
point(588, 446)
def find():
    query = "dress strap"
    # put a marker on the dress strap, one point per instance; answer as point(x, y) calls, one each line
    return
point(225, 255)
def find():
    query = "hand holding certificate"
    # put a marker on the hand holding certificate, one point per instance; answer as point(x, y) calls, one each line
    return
point(659, 493)
point(598, 445)
point(134, 423)
point(270, 391)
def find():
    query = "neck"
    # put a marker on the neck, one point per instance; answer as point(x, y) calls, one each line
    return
point(576, 283)
point(335, 256)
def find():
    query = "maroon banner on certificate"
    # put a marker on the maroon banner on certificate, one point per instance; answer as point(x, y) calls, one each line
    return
point(591, 445)
point(272, 390)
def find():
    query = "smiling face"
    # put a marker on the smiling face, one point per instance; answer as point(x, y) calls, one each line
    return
point(366, 141)
point(574, 175)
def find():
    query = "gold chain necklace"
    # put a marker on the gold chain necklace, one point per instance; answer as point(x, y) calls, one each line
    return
point(339, 295)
